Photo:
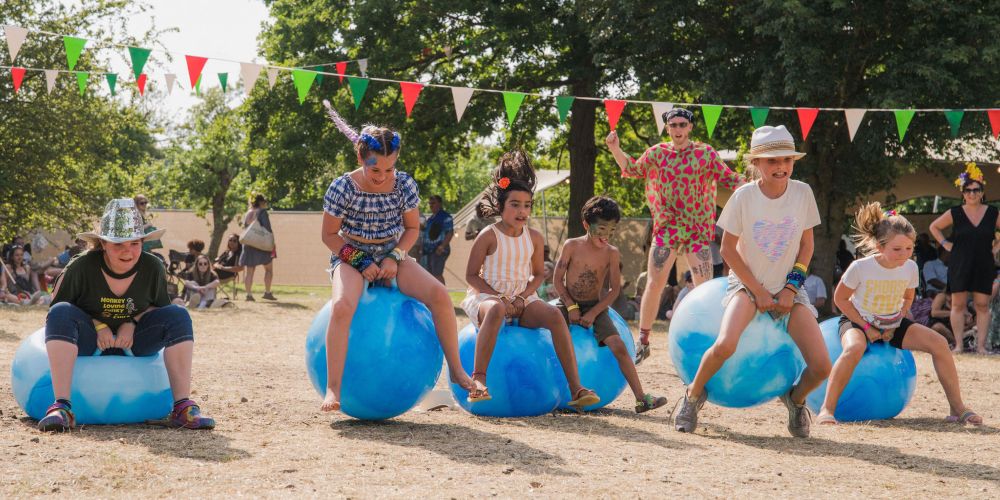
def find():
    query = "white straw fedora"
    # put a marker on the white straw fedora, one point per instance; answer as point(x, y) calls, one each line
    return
point(121, 222)
point(772, 142)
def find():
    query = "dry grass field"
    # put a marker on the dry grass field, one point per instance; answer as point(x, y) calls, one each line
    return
point(272, 441)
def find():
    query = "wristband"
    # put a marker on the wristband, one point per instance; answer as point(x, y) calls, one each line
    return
point(804, 269)
point(573, 307)
point(789, 286)
point(397, 254)
point(98, 326)
point(518, 297)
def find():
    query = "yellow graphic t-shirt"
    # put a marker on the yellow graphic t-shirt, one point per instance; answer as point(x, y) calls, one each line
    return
point(878, 291)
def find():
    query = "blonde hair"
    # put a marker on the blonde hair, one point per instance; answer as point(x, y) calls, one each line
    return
point(874, 227)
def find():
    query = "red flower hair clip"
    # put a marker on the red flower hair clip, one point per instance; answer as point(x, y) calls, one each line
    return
point(503, 182)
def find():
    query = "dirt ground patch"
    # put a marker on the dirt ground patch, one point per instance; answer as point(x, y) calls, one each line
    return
point(277, 443)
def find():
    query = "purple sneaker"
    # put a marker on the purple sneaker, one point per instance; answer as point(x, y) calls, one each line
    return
point(59, 417)
point(187, 414)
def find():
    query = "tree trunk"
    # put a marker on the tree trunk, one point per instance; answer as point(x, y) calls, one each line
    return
point(219, 220)
point(832, 211)
point(582, 158)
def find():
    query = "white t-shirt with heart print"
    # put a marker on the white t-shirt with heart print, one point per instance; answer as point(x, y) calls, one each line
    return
point(770, 231)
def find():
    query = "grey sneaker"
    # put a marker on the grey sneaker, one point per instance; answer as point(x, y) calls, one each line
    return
point(641, 352)
point(799, 416)
point(687, 418)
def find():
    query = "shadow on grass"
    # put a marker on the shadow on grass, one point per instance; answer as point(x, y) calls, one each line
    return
point(205, 446)
point(930, 425)
point(592, 424)
point(6, 336)
point(287, 305)
point(457, 443)
point(871, 453)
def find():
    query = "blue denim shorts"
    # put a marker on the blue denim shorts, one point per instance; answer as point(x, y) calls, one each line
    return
point(378, 251)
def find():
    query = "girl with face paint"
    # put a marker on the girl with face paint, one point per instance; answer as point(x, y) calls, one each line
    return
point(681, 180)
point(370, 223)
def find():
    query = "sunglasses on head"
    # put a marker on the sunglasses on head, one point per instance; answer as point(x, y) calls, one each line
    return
point(973, 190)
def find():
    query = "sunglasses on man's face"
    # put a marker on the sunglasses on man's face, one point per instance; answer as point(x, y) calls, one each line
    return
point(678, 125)
point(143, 202)
point(972, 190)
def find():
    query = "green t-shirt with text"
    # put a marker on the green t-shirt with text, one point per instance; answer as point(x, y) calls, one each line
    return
point(83, 285)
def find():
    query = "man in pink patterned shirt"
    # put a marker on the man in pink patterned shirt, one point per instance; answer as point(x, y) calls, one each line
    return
point(681, 179)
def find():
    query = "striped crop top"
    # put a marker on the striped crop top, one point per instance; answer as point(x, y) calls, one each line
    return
point(372, 216)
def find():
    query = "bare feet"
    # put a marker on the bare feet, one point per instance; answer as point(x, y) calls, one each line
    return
point(463, 380)
point(330, 403)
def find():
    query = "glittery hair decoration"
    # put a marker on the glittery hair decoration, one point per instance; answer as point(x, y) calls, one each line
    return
point(890, 213)
point(374, 144)
point(972, 173)
point(342, 126)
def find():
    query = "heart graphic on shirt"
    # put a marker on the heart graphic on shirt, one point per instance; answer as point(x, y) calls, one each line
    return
point(774, 238)
point(698, 153)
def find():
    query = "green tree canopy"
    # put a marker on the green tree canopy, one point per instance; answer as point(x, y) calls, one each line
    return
point(63, 156)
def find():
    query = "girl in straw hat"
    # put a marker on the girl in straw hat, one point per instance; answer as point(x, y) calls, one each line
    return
point(115, 297)
point(681, 178)
point(768, 236)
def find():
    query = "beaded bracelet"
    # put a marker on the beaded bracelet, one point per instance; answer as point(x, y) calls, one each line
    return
point(795, 278)
point(355, 258)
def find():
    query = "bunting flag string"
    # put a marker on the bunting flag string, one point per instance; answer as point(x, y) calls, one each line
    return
point(112, 81)
point(50, 80)
point(411, 91)
point(903, 118)
point(461, 96)
point(249, 72)
point(711, 113)
point(15, 38)
point(853, 117)
point(18, 75)
point(358, 88)
point(807, 116)
point(659, 108)
point(512, 102)
point(759, 116)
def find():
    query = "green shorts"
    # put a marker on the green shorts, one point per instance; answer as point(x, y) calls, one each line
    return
point(603, 326)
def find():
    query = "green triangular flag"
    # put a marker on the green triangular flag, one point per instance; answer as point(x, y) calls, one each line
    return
point(358, 88)
point(112, 81)
point(74, 46)
point(303, 81)
point(564, 102)
point(759, 116)
point(197, 85)
point(319, 77)
point(81, 80)
point(955, 119)
point(139, 58)
point(512, 101)
point(223, 79)
point(711, 113)
point(903, 117)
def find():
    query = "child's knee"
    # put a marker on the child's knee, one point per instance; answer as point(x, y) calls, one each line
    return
point(495, 312)
point(724, 350)
point(821, 367)
point(853, 353)
point(614, 343)
point(343, 310)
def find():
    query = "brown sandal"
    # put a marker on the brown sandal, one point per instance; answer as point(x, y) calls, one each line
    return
point(477, 395)
point(584, 397)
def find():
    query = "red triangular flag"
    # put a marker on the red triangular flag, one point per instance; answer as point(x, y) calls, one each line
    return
point(18, 74)
point(614, 108)
point(341, 69)
point(141, 82)
point(411, 90)
point(994, 115)
point(195, 65)
point(806, 118)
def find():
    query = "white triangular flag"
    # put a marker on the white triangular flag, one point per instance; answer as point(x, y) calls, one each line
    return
point(854, 117)
point(462, 96)
point(171, 79)
point(272, 77)
point(363, 65)
point(15, 38)
point(50, 79)
point(447, 50)
point(658, 109)
point(249, 72)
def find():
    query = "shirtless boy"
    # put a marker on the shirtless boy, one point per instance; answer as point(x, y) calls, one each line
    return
point(582, 274)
